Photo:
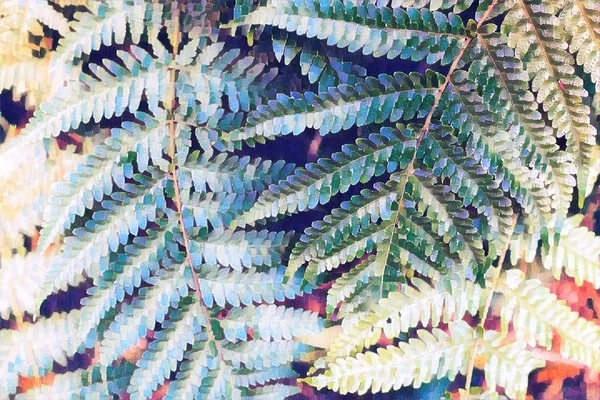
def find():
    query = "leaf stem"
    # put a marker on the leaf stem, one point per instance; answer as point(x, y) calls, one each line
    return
point(410, 168)
point(171, 104)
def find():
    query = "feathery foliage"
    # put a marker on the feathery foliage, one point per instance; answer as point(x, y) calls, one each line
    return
point(156, 182)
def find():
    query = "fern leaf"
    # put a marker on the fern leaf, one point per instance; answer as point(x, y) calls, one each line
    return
point(223, 286)
point(509, 365)
point(20, 280)
point(247, 378)
point(433, 354)
point(401, 311)
point(105, 25)
point(93, 384)
point(410, 34)
point(516, 109)
point(317, 63)
point(239, 249)
point(219, 386)
point(275, 391)
point(499, 153)
point(458, 6)
point(136, 263)
point(167, 349)
point(221, 173)
point(353, 215)
point(240, 80)
point(577, 253)
point(448, 219)
point(26, 76)
point(535, 313)
point(365, 242)
point(375, 100)
point(218, 209)
point(146, 310)
point(581, 22)
point(540, 41)
point(94, 178)
point(259, 354)
point(33, 350)
point(270, 322)
point(468, 179)
point(319, 182)
point(87, 251)
point(113, 90)
point(347, 284)
point(198, 362)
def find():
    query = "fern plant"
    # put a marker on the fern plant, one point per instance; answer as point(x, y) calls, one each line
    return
point(458, 141)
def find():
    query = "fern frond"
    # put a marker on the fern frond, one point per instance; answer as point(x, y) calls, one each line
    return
point(540, 41)
point(240, 80)
point(26, 76)
point(93, 384)
point(101, 24)
point(468, 179)
point(94, 178)
point(246, 378)
point(516, 110)
point(376, 100)
point(112, 90)
point(29, 172)
point(508, 365)
point(500, 154)
point(342, 222)
point(458, 5)
point(410, 34)
point(274, 391)
point(581, 22)
point(33, 350)
point(319, 182)
point(225, 286)
point(125, 212)
point(20, 280)
point(138, 261)
point(535, 313)
point(403, 310)
point(270, 322)
point(364, 242)
point(239, 249)
point(232, 174)
point(218, 384)
point(347, 284)
point(199, 360)
point(318, 64)
point(433, 354)
point(167, 349)
point(147, 309)
point(577, 253)
point(259, 354)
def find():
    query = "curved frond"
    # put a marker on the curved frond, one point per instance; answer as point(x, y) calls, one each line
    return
point(540, 41)
point(509, 365)
point(270, 322)
point(319, 182)
point(394, 97)
point(392, 32)
point(536, 313)
point(403, 310)
point(431, 355)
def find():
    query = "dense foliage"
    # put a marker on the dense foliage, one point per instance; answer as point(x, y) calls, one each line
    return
point(457, 139)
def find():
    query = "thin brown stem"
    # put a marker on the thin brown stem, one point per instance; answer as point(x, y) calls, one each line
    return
point(410, 168)
point(171, 104)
